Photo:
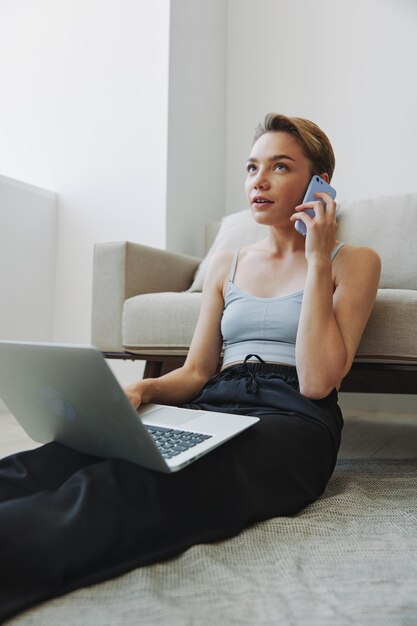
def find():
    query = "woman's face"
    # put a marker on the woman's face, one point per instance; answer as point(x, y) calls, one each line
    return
point(278, 174)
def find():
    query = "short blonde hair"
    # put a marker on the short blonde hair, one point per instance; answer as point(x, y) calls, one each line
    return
point(316, 145)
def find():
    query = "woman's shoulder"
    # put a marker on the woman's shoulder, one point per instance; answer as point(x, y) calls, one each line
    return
point(349, 252)
point(351, 259)
point(223, 257)
point(220, 264)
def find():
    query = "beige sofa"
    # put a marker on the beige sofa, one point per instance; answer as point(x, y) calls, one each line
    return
point(146, 301)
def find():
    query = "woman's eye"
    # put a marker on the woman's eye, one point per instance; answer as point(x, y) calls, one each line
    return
point(280, 166)
point(250, 168)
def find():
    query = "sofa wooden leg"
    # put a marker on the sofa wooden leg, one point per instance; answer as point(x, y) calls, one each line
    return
point(153, 369)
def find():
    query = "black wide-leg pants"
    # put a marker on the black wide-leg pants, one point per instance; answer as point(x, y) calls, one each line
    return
point(68, 519)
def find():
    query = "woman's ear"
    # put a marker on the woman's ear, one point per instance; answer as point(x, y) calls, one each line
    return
point(325, 177)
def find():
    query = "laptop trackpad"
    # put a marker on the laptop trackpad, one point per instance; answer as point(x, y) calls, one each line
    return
point(170, 416)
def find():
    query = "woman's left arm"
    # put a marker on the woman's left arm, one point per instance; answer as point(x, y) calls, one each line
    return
point(332, 321)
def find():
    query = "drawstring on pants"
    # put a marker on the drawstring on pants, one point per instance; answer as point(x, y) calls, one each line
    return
point(251, 384)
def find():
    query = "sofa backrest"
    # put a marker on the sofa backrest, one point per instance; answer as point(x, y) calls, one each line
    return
point(387, 224)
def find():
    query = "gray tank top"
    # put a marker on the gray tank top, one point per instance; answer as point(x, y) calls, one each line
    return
point(263, 326)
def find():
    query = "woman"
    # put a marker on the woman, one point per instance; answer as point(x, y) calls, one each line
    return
point(290, 311)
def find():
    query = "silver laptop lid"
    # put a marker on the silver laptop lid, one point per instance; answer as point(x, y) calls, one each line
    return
point(68, 394)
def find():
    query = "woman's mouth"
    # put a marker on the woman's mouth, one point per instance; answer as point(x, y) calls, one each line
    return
point(261, 201)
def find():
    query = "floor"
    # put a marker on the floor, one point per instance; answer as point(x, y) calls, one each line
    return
point(365, 434)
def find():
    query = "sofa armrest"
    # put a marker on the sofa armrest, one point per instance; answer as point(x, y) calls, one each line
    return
point(122, 270)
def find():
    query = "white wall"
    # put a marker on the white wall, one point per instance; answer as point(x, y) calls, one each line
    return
point(196, 122)
point(349, 66)
point(27, 261)
point(83, 111)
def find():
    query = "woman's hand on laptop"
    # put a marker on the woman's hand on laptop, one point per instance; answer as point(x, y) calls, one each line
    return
point(134, 394)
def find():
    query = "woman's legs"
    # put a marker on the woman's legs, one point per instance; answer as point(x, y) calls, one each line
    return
point(28, 472)
point(68, 520)
point(111, 516)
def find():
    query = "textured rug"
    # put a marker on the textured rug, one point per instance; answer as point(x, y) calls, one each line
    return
point(350, 558)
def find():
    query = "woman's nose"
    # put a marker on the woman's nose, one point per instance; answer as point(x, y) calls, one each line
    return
point(260, 181)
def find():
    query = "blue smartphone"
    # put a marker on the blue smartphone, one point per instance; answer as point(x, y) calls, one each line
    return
point(316, 184)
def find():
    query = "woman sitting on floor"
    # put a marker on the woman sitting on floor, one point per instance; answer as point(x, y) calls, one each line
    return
point(290, 311)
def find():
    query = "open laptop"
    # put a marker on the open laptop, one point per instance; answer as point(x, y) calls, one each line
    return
point(68, 394)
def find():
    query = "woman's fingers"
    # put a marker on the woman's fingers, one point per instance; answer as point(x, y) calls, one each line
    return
point(303, 211)
point(133, 395)
point(317, 205)
point(328, 201)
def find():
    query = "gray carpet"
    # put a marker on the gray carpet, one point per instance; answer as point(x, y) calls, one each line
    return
point(350, 558)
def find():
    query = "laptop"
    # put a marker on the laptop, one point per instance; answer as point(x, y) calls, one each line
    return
point(68, 394)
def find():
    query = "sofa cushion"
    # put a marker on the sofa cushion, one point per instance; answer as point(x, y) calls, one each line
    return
point(385, 223)
point(163, 323)
point(391, 330)
point(155, 322)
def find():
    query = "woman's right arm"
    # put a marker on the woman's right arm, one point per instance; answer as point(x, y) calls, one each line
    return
point(182, 384)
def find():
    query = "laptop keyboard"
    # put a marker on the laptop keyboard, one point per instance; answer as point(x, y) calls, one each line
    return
point(171, 442)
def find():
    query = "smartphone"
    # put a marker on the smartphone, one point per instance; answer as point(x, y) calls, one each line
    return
point(316, 184)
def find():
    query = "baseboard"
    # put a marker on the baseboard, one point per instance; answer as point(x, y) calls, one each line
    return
point(385, 402)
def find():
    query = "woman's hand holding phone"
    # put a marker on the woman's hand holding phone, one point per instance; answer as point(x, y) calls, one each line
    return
point(319, 209)
point(315, 187)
